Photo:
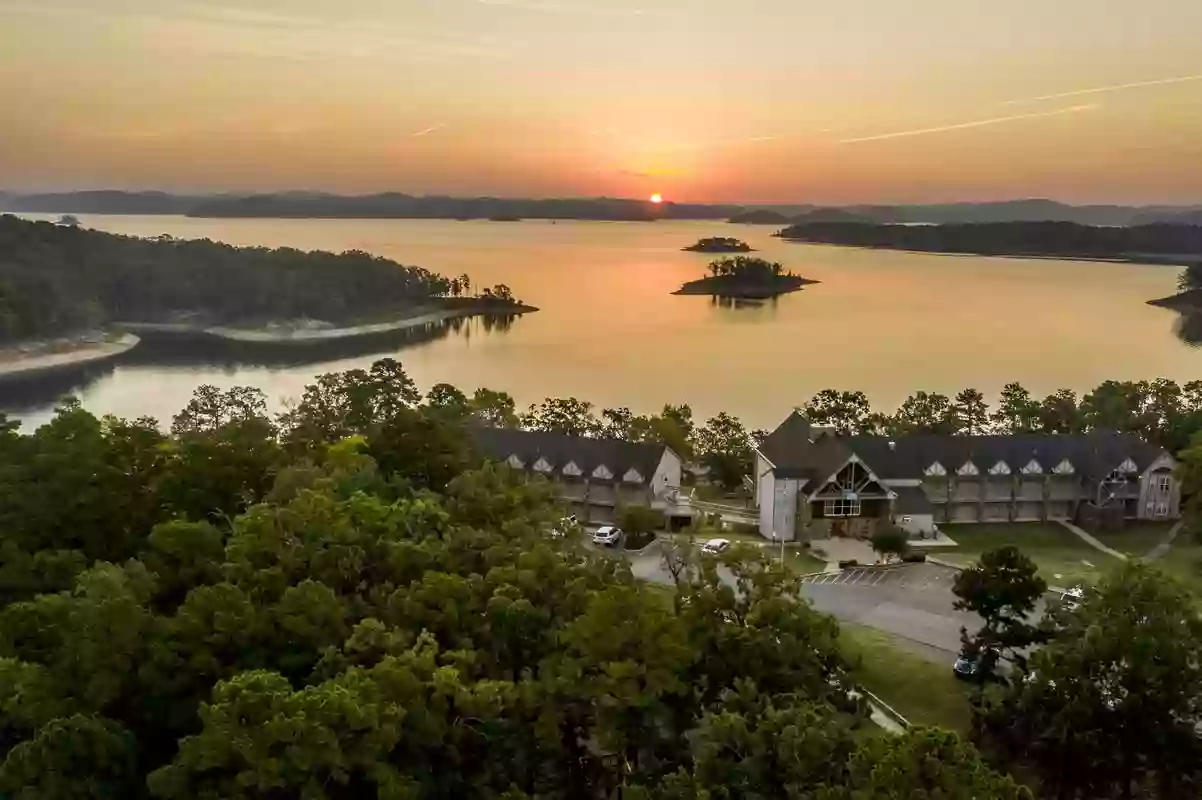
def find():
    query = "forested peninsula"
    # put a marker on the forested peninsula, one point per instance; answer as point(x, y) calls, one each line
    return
point(57, 280)
point(1165, 243)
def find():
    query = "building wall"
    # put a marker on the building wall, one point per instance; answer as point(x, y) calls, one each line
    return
point(667, 474)
point(765, 481)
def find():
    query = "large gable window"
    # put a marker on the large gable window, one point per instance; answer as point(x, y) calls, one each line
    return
point(969, 468)
point(570, 469)
point(936, 469)
point(1065, 467)
point(842, 507)
point(633, 476)
point(1032, 468)
point(1000, 468)
point(602, 473)
point(515, 462)
point(542, 465)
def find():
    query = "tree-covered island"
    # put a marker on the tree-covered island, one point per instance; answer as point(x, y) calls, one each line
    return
point(720, 244)
point(745, 277)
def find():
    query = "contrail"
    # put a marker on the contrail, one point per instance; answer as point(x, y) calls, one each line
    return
point(1100, 89)
point(977, 124)
point(430, 129)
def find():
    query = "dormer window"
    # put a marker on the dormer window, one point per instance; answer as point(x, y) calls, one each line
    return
point(969, 468)
point(936, 470)
point(633, 476)
point(1065, 467)
point(1033, 468)
point(1000, 468)
point(542, 465)
point(515, 462)
point(570, 469)
point(602, 473)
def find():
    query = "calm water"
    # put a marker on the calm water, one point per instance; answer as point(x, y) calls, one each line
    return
point(610, 330)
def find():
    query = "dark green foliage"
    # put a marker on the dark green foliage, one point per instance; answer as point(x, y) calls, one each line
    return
point(1009, 238)
point(720, 244)
point(1003, 589)
point(347, 607)
point(55, 279)
point(1111, 707)
point(890, 540)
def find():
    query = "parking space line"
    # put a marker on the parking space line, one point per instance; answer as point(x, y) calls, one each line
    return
point(879, 578)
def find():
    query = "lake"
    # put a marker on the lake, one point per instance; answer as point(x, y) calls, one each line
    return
point(610, 331)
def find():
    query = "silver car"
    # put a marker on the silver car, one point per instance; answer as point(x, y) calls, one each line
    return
point(608, 536)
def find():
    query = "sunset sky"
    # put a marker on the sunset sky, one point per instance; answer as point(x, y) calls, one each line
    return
point(754, 101)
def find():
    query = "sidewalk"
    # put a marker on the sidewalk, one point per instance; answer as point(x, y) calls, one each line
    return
point(1092, 542)
point(1159, 550)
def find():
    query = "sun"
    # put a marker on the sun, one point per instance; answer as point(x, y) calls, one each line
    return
point(657, 198)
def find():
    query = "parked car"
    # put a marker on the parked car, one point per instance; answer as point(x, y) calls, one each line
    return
point(716, 546)
point(969, 668)
point(1072, 598)
point(608, 536)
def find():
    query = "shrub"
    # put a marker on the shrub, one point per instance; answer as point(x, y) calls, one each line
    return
point(637, 541)
point(745, 528)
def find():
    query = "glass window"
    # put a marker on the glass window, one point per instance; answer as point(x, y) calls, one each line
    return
point(842, 508)
point(1162, 482)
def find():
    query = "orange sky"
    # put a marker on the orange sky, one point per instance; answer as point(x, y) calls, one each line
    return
point(759, 101)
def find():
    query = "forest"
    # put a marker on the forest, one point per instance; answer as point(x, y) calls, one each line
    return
point(1176, 243)
point(57, 280)
point(344, 601)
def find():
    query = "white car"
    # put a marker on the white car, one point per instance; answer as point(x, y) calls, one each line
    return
point(1072, 598)
point(608, 536)
point(716, 546)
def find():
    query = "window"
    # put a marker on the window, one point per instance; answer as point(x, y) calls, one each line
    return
point(1162, 509)
point(1163, 482)
point(843, 507)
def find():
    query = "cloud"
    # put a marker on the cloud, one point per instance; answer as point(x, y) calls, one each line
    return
point(429, 130)
point(249, 31)
point(975, 124)
point(1118, 87)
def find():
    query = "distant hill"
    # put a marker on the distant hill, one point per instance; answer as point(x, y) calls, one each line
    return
point(1159, 243)
point(1172, 218)
point(101, 202)
point(395, 205)
point(760, 217)
point(830, 215)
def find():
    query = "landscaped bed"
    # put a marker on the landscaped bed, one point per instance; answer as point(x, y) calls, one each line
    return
point(1063, 559)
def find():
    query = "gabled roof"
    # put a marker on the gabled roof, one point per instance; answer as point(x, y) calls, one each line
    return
point(1093, 455)
point(558, 450)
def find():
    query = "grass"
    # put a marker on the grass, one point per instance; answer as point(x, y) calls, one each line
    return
point(1060, 556)
point(1137, 538)
point(804, 561)
point(921, 690)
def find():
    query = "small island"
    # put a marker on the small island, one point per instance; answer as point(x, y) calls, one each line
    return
point(720, 244)
point(1188, 299)
point(745, 278)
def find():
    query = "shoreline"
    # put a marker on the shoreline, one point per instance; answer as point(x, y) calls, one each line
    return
point(81, 355)
point(717, 287)
point(1150, 260)
point(303, 336)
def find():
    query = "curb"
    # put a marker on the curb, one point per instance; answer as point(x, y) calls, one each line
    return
point(1058, 590)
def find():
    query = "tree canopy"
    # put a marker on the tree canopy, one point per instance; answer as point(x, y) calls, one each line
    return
point(344, 602)
point(57, 279)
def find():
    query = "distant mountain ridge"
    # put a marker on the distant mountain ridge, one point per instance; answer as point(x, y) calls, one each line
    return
point(395, 205)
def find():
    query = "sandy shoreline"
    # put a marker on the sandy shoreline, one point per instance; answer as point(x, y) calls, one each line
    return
point(21, 365)
point(315, 335)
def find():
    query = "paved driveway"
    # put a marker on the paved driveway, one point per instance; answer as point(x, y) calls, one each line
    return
point(913, 601)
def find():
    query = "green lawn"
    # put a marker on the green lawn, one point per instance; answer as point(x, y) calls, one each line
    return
point(804, 561)
point(1061, 557)
point(1137, 538)
point(923, 691)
